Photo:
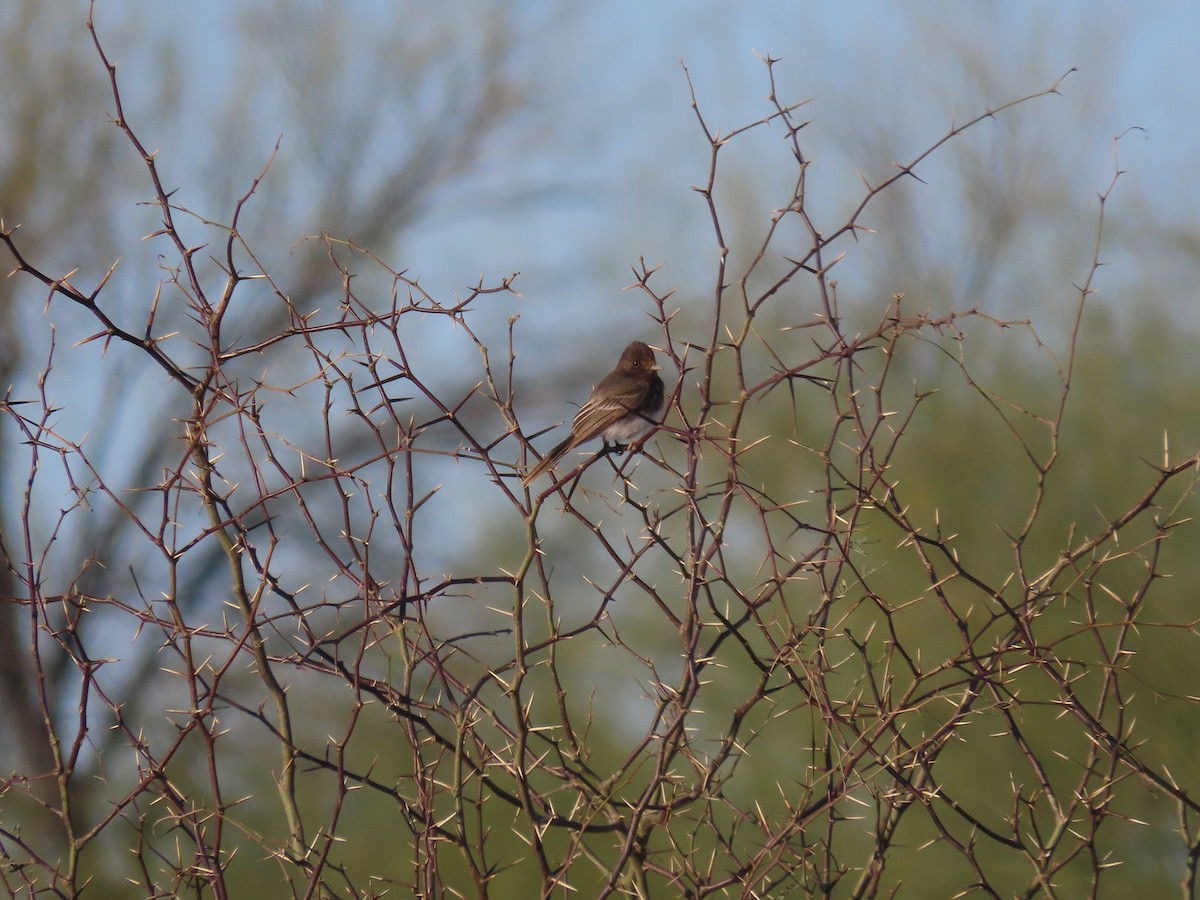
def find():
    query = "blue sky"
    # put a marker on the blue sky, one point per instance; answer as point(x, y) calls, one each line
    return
point(613, 132)
point(598, 171)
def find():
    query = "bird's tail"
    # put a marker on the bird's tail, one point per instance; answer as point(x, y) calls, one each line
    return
point(547, 461)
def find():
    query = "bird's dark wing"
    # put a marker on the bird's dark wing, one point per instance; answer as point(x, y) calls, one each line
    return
point(611, 400)
point(600, 411)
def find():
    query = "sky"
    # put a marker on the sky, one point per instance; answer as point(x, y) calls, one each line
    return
point(596, 172)
point(614, 138)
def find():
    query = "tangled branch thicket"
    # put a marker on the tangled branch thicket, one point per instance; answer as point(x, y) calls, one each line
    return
point(746, 662)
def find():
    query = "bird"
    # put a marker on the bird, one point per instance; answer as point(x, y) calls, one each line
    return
point(621, 407)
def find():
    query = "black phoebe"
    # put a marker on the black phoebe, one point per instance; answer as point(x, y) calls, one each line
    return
point(620, 407)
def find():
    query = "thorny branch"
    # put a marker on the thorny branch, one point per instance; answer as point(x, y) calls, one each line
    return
point(808, 650)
